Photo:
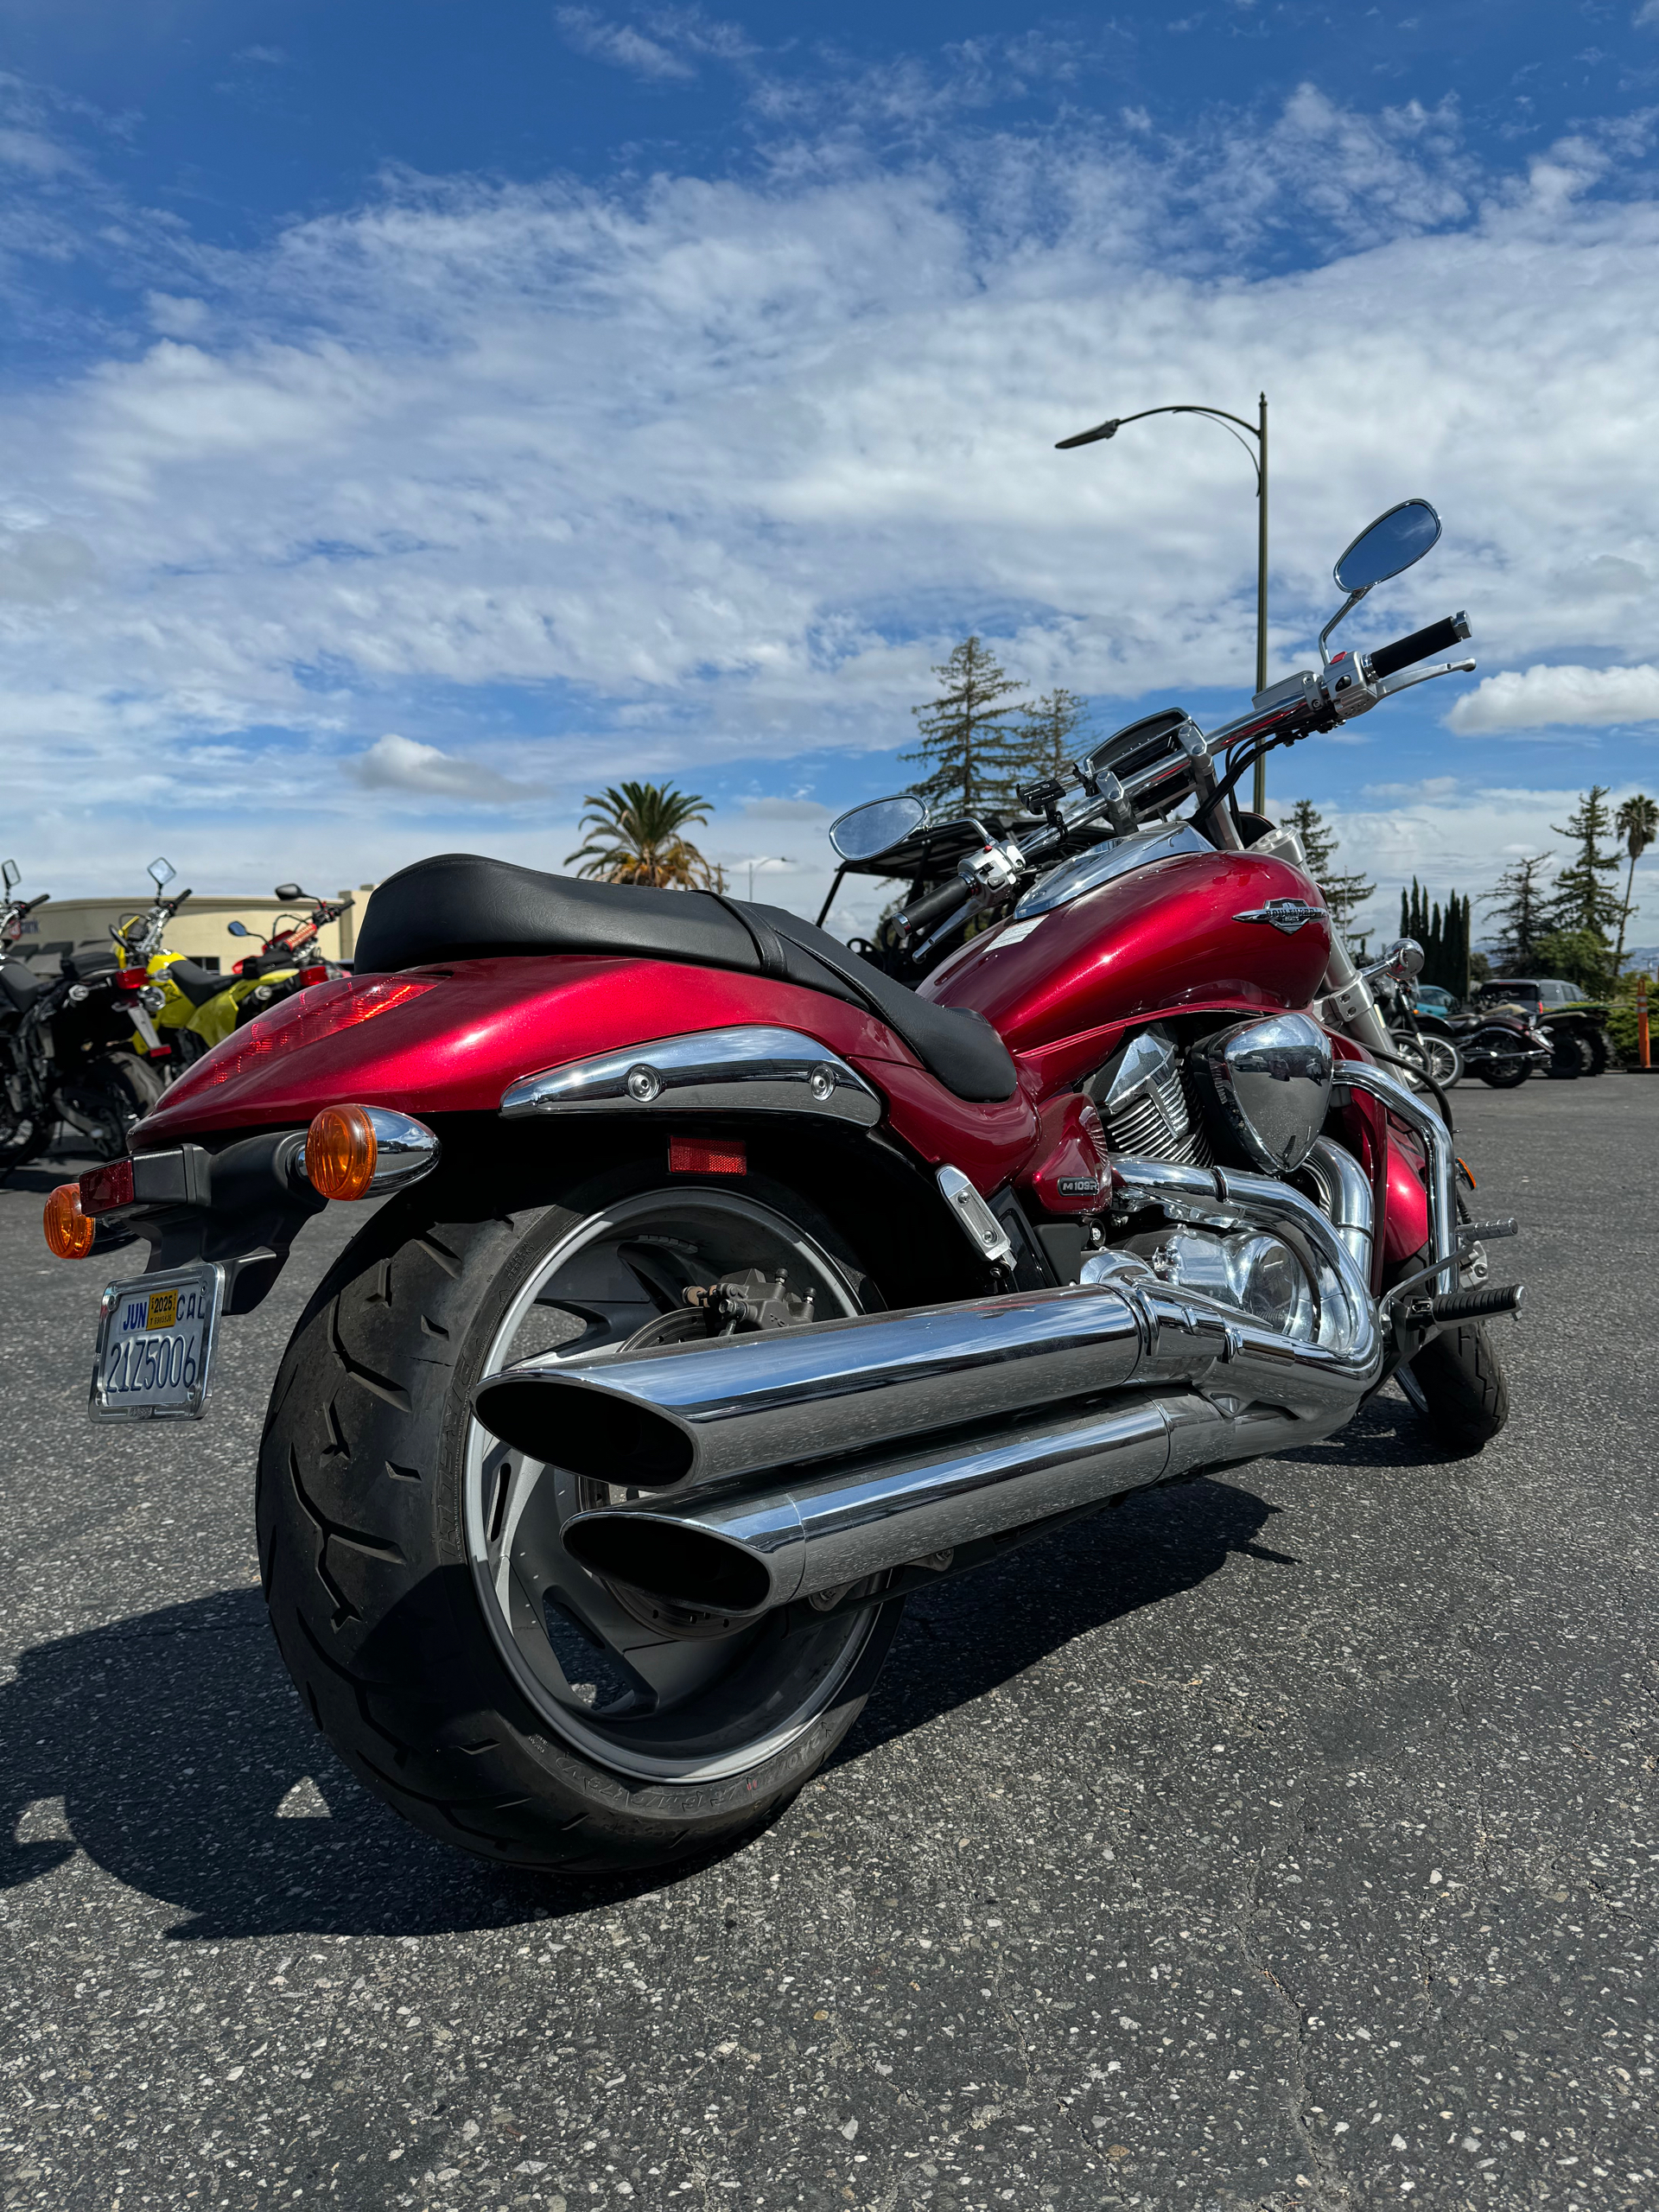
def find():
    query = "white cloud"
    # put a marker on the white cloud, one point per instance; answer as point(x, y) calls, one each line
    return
point(619, 43)
point(717, 469)
point(175, 316)
point(403, 763)
point(1544, 697)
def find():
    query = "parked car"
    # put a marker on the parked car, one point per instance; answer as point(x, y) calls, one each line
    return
point(1434, 998)
point(1575, 1025)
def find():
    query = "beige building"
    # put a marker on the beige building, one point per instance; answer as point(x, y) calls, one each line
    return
point(199, 931)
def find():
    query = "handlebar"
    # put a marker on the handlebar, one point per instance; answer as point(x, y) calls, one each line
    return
point(1421, 644)
point(936, 906)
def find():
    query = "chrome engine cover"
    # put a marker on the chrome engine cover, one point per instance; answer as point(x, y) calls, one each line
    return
point(1270, 1083)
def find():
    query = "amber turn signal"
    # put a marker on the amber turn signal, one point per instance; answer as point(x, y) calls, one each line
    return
point(340, 1152)
point(68, 1231)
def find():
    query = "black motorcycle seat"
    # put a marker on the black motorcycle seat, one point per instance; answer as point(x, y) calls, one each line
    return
point(198, 984)
point(20, 984)
point(460, 905)
point(89, 960)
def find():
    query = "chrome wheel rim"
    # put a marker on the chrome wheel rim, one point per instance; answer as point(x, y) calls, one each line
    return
point(653, 1692)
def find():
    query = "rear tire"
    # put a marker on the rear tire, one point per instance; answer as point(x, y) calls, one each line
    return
point(421, 1596)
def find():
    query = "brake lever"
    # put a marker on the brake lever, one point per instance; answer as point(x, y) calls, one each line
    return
point(1405, 678)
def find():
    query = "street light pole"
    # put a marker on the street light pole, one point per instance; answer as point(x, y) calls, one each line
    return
point(763, 860)
point(1259, 461)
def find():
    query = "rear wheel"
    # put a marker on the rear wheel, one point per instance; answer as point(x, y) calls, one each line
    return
point(462, 1664)
point(109, 1094)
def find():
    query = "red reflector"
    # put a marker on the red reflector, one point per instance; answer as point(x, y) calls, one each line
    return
point(103, 1189)
point(131, 979)
point(707, 1156)
point(317, 974)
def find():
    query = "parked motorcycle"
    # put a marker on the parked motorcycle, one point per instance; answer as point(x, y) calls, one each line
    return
point(68, 1050)
point(1574, 1027)
point(169, 990)
point(727, 1289)
point(1501, 1044)
point(286, 962)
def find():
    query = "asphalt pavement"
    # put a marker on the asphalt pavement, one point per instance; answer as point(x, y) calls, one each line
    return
point(1278, 1841)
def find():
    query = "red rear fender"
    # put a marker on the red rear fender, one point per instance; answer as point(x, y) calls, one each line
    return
point(450, 1039)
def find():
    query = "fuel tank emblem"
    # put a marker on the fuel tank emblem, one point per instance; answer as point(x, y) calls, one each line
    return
point(1285, 914)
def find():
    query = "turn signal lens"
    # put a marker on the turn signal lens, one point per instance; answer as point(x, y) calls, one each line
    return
point(68, 1231)
point(340, 1151)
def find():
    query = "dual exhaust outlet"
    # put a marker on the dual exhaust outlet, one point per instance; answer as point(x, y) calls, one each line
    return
point(792, 1464)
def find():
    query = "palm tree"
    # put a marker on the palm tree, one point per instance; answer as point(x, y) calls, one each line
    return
point(1637, 823)
point(636, 837)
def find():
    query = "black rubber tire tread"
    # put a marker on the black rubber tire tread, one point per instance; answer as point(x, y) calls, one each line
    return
point(1505, 1078)
point(368, 1585)
point(1601, 1050)
point(1461, 1377)
point(1568, 1064)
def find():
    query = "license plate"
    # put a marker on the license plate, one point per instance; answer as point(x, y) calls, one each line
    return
point(156, 1345)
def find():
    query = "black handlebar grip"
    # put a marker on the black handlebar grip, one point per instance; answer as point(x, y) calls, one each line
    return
point(936, 906)
point(1421, 644)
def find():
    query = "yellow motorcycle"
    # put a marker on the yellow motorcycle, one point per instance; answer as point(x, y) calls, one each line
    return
point(287, 961)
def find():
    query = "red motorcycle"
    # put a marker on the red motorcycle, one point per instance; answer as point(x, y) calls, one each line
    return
point(727, 1289)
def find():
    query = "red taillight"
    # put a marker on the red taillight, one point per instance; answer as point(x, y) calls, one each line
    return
point(103, 1189)
point(68, 1231)
point(309, 976)
point(131, 979)
point(305, 1018)
point(707, 1156)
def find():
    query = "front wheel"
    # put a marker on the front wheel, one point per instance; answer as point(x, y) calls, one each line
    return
point(462, 1664)
point(1456, 1384)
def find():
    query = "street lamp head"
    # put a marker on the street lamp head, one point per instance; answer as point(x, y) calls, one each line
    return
point(1088, 437)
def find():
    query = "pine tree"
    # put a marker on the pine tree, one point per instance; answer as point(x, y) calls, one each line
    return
point(1344, 895)
point(1581, 899)
point(1053, 732)
point(972, 758)
point(1518, 900)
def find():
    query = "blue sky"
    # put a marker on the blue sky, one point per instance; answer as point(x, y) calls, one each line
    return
point(417, 416)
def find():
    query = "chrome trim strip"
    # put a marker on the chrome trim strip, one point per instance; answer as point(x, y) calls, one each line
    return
point(748, 1068)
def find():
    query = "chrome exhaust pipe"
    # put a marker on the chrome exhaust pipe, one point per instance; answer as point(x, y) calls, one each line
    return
point(697, 1414)
point(744, 1547)
point(750, 1551)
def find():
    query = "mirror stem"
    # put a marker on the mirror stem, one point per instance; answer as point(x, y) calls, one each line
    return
point(1259, 787)
point(834, 887)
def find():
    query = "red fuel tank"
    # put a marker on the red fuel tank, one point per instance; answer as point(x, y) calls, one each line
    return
point(1191, 929)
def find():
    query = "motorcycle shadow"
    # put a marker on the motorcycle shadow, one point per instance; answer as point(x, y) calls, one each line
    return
point(187, 1770)
point(966, 1639)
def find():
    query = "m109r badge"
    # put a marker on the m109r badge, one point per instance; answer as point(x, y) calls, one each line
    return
point(1285, 914)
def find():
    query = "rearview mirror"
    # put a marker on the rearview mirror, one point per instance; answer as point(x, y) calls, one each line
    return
point(1391, 543)
point(239, 929)
point(160, 873)
point(1402, 962)
point(289, 890)
point(13, 873)
point(869, 831)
